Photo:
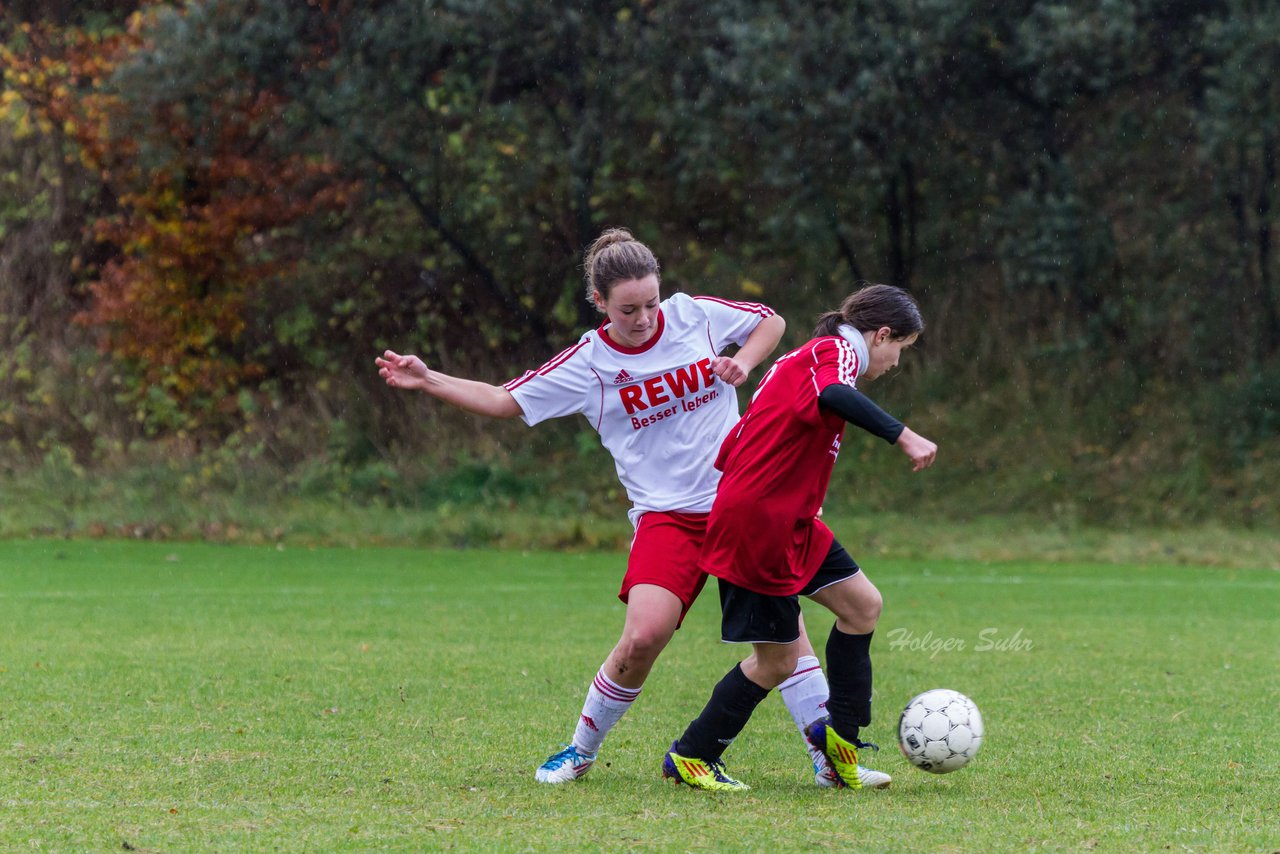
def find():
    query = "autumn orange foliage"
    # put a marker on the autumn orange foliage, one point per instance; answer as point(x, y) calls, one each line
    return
point(190, 238)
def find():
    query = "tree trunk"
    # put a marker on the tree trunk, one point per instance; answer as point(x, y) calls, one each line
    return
point(894, 215)
point(1268, 321)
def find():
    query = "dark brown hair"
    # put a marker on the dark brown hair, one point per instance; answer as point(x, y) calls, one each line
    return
point(614, 257)
point(874, 307)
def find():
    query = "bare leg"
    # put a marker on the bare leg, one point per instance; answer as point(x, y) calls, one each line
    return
point(652, 616)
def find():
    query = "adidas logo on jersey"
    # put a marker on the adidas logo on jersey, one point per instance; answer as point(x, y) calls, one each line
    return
point(622, 377)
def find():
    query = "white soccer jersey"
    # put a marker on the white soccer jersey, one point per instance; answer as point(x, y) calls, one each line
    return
point(659, 409)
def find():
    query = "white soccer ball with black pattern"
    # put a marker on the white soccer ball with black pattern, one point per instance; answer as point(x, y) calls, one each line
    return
point(940, 730)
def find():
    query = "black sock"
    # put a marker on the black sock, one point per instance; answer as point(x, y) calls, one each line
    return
point(849, 676)
point(734, 699)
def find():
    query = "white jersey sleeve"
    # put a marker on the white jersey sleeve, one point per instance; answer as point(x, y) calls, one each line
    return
point(731, 322)
point(563, 385)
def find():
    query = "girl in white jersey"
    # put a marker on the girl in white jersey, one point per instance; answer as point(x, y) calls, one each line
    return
point(651, 381)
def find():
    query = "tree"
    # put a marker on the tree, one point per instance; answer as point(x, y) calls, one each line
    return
point(1239, 124)
point(487, 121)
point(194, 200)
point(827, 109)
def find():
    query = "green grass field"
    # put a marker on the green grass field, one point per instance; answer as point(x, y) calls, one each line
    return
point(176, 697)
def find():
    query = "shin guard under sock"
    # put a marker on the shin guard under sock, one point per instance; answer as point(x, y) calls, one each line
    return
point(849, 674)
point(734, 699)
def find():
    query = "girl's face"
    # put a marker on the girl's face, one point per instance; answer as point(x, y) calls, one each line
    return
point(632, 308)
point(884, 350)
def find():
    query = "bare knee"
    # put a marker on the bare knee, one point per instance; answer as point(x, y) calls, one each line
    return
point(643, 644)
point(871, 606)
point(770, 666)
point(859, 614)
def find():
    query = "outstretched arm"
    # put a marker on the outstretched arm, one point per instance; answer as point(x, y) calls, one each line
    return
point(409, 372)
point(858, 409)
point(759, 344)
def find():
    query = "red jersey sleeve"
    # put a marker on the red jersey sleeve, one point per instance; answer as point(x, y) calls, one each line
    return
point(834, 361)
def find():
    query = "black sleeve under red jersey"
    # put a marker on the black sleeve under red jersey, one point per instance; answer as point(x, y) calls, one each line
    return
point(861, 411)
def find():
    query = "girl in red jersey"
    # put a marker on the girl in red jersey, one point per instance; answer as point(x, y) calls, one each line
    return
point(651, 381)
point(767, 546)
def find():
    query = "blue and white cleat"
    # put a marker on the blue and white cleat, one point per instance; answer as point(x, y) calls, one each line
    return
point(565, 766)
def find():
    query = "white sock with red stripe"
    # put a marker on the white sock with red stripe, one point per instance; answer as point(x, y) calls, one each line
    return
point(805, 693)
point(607, 702)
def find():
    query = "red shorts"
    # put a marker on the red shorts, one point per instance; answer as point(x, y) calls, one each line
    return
point(665, 553)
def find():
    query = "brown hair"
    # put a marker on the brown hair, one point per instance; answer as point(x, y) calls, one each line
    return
point(614, 257)
point(874, 307)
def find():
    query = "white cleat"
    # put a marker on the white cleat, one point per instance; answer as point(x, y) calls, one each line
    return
point(565, 766)
point(872, 779)
point(827, 778)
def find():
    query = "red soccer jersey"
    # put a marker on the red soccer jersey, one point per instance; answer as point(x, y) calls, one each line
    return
point(763, 533)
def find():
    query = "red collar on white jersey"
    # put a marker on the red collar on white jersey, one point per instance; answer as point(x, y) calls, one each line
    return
point(632, 351)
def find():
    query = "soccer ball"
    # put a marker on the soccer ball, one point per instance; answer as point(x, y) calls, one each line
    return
point(940, 730)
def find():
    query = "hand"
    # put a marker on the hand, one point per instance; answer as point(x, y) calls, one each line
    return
point(921, 451)
point(729, 371)
point(408, 372)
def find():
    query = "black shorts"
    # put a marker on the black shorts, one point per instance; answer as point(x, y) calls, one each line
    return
point(749, 617)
